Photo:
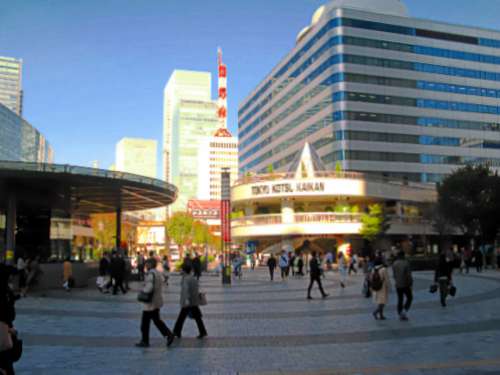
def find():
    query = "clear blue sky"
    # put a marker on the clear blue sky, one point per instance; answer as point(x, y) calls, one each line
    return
point(94, 70)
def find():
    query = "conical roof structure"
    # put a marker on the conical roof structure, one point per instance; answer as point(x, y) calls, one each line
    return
point(306, 163)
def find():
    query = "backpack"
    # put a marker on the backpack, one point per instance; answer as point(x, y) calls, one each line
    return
point(376, 282)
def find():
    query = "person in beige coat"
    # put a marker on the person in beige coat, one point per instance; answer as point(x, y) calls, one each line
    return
point(381, 296)
point(151, 311)
point(190, 302)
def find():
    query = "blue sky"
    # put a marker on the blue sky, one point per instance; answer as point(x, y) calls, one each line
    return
point(94, 70)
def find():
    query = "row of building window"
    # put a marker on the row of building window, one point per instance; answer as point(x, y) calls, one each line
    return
point(412, 102)
point(347, 22)
point(394, 64)
point(378, 118)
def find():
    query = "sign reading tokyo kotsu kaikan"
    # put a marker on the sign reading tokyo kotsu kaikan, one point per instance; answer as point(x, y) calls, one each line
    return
point(225, 207)
point(288, 187)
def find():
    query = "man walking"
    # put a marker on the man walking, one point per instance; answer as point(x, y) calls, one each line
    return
point(271, 263)
point(283, 263)
point(117, 272)
point(315, 273)
point(404, 282)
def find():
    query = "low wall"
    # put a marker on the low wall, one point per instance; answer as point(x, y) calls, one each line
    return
point(52, 276)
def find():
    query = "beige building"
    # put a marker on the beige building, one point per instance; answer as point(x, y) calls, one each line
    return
point(138, 156)
point(11, 93)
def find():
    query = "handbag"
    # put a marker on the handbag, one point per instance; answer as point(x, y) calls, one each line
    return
point(203, 299)
point(433, 288)
point(147, 297)
point(16, 352)
point(453, 290)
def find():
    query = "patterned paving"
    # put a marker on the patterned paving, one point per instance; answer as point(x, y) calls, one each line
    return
point(256, 326)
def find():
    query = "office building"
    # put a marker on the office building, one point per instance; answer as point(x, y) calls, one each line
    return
point(138, 156)
point(11, 93)
point(376, 91)
point(20, 141)
point(190, 116)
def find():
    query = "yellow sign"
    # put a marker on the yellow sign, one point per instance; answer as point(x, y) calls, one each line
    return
point(9, 255)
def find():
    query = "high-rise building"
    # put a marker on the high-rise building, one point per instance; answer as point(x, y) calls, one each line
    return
point(377, 91)
point(20, 141)
point(190, 116)
point(11, 93)
point(138, 156)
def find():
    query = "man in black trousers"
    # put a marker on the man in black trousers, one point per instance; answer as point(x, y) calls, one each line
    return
point(271, 263)
point(315, 273)
point(117, 272)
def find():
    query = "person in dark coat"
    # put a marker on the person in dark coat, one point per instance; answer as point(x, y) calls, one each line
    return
point(404, 282)
point(196, 264)
point(117, 272)
point(7, 314)
point(190, 303)
point(315, 273)
point(443, 277)
point(271, 263)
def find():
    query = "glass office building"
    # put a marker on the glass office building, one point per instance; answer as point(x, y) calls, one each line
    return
point(190, 116)
point(19, 141)
point(379, 92)
point(11, 94)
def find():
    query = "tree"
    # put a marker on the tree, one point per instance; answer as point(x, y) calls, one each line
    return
point(470, 199)
point(180, 228)
point(270, 168)
point(374, 222)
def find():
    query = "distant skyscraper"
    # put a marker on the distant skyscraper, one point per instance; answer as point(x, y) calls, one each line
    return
point(138, 156)
point(11, 94)
point(190, 116)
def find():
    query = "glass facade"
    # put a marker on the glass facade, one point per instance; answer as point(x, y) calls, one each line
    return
point(19, 141)
point(402, 76)
point(11, 94)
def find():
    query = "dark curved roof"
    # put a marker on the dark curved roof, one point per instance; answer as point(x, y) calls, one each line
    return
point(81, 190)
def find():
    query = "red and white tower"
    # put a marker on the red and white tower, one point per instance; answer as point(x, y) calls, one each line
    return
point(222, 101)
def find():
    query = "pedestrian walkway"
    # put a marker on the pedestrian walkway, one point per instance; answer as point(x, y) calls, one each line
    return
point(256, 326)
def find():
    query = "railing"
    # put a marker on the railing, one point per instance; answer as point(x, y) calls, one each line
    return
point(319, 218)
point(265, 177)
point(74, 170)
point(300, 218)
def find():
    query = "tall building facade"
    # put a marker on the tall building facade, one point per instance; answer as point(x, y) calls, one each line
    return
point(11, 93)
point(138, 156)
point(379, 92)
point(20, 141)
point(190, 116)
point(215, 154)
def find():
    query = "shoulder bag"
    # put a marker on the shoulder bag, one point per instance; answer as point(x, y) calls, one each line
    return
point(147, 297)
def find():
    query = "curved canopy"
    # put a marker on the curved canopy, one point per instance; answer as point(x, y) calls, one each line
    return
point(81, 190)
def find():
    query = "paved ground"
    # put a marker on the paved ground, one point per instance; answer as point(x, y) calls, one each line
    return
point(260, 327)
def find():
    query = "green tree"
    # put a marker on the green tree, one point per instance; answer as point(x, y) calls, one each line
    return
point(180, 228)
point(270, 168)
point(374, 222)
point(469, 198)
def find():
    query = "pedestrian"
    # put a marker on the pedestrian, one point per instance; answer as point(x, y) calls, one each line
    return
point(291, 263)
point(21, 272)
point(252, 262)
point(300, 265)
point(67, 274)
point(468, 259)
point(477, 259)
point(315, 274)
point(342, 265)
point(151, 309)
point(443, 277)
point(498, 258)
point(271, 264)
point(190, 303)
point(380, 285)
point(166, 269)
point(352, 264)
point(140, 266)
point(127, 273)
point(8, 334)
point(283, 263)
point(117, 271)
point(34, 272)
point(103, 283)
point(404, 283)
point(196, 263)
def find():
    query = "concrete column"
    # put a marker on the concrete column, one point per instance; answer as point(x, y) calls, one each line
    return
point(287, 211)
point(11, 228)
point(118, 228)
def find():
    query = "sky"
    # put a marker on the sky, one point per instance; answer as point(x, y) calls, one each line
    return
point(94, 70)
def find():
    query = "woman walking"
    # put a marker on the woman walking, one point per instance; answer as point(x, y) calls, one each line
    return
point(67, 274)
point(151, 309)
point(380, 285)
point(190, 302)
point(442, 277)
